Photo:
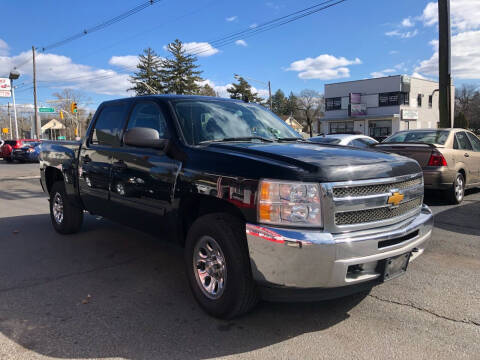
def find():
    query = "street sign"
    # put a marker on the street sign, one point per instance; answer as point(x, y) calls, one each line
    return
point(61, 138)
point(46, 110)
point(409, 114)
point(5, 84)
point(5, 93)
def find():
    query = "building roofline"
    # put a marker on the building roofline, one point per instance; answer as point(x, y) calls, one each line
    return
point(382, 77)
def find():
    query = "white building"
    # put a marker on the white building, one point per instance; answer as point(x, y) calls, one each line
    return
point(381, 106)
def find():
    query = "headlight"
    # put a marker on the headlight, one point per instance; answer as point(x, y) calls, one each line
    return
point(289, 203)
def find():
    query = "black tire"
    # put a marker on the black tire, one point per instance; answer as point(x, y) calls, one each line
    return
point(9, 159)
point(72, 217)
point(456, 193)
point(239, 294)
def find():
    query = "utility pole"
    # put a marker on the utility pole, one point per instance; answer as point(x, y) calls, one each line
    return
point(270, 95)
point(10, 120)
point(445, 96)
point(15, 112)
point(38, 126)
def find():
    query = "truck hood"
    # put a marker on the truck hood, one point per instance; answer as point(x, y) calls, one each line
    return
point(324, 162)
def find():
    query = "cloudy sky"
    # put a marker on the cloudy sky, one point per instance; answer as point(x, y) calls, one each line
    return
point(354, 40)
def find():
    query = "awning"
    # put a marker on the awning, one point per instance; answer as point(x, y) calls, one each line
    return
point(53, 124)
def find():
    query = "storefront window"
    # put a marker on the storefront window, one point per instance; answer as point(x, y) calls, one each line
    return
point(341, 127)
point(380, 128)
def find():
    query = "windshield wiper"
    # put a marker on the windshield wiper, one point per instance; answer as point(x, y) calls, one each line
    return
point(240, 138)
point(291, 139)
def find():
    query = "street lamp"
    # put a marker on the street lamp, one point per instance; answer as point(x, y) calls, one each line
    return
point(236, 76)
point(14, 75)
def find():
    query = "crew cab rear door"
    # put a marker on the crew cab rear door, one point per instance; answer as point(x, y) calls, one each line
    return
point(95, 159)
point(143, 179)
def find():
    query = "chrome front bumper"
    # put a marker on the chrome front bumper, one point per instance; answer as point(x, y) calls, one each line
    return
point(302, 259)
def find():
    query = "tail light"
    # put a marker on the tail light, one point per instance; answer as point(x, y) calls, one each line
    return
point(18, 144)
point(437, 159)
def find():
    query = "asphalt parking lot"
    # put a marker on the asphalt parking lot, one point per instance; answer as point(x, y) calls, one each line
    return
point(112, 292)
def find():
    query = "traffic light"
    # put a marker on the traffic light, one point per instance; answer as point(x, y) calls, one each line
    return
point(61, 115)
point(73, 107)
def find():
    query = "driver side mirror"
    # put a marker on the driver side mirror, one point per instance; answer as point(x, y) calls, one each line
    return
point(144, 137)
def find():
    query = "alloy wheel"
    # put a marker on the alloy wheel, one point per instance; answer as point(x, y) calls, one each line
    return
point(57, 208)
point(210, 267)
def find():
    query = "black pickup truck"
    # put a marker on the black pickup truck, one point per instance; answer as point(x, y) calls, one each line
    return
point(260, 212)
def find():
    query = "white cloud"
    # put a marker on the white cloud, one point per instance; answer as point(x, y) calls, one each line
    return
point(465, 57)
point(253, 26)
point(402, 34)
point(231, 18)
point(126, 62)
point(382, 73)
point(200, 48)
point(393, 52)
point(408, 22)
point(465, 14)
point(323, 67)
point(60, 71)
point(241, 42)
point(465, 22)
point(4, 48)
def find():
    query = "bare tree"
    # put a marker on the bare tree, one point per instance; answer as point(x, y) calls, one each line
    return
point(309, 108)
point(63, 101)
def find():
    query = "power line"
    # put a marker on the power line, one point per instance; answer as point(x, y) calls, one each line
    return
point(101, 26)
point(93, 29)
point(230, 38)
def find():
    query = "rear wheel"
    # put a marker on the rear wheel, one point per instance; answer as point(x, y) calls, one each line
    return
point(456, 193)
point(9, 159)
point(66, 218)
point(218, 266)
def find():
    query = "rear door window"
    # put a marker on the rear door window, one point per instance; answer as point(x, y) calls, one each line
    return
point(462, 141)
point(475, 141)
point(109, 125)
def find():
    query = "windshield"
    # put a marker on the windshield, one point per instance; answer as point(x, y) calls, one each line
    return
point(204, 121)
point(326, 140)
point(428, 137)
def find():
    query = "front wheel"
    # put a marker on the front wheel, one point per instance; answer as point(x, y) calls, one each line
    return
point(456, 193)
point(218, 266)
point(66, 218)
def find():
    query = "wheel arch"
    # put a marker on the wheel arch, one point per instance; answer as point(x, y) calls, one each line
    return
point(193, 207)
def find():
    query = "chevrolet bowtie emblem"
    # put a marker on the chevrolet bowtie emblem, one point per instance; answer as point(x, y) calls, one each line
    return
point(395, 199)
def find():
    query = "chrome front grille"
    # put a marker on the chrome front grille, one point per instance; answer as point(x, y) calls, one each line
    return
point(376, 214)
point(363, 204)
point(365, 190)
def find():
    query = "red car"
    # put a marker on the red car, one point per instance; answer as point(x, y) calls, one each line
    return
point(9, 145)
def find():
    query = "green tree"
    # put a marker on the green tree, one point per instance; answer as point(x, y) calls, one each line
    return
point(179, 73)
point(146, 80)
point(291, 104)
point(243, 91)
point(461, 121)
point(279, 103)
point(207, 90)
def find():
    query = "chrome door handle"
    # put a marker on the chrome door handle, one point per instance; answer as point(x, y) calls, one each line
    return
point(466, 155)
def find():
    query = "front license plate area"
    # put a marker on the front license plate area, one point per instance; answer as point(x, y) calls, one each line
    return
point(396, 266)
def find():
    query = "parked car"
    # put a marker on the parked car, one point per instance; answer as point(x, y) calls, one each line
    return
point(354, 140)
point(260, 212)
point(10, 145)
point(27, 153)
point(450, 158)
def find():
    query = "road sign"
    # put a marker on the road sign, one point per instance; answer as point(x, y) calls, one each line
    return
point(61, 138)
point(5, 93)
point(5, 84)
point(46, 110)
point(5, 130)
